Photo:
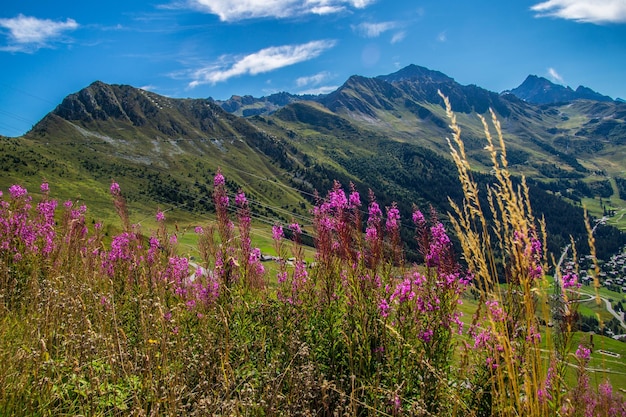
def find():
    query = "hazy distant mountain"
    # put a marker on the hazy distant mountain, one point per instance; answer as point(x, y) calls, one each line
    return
point(247, 105)
point(539, 90)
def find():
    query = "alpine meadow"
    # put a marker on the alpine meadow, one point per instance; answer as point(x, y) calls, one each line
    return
point(402, 245)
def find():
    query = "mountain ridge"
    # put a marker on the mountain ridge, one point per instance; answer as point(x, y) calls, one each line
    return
point(539, 90)
point(534, 89)
point(383, 133)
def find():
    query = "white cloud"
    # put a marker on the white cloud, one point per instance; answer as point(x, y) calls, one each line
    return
point(265, 60)
point(29, 33)
point(316, 79)
point(442, 37)
point(555, 75)
point(398, 37)
point(320, 90)
point(592, 11)
point(373, 30)
point(230, 10)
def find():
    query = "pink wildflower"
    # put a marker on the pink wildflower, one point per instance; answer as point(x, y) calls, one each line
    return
point(393, 218)
point(418, 218)
point(219, 180)
point(17, 191)
point(355, 199)
point(277, 232)
point(426, 335)
point(115, 188)
point(570, 280)
point(295, 227)
point(582, 353)
point(383, 306)
point(240, 199)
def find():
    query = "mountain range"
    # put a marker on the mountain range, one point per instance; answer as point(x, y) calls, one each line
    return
point(539, 90)
point(385, 133)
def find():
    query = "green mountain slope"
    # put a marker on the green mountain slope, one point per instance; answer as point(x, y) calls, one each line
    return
point(385, 133)
point(161, 151)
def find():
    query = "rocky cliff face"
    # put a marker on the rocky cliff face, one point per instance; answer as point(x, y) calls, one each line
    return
point(127, 105)
point(101, 101)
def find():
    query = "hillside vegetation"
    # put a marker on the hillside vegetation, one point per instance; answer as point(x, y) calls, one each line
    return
point(385, 134)
point(132, 326)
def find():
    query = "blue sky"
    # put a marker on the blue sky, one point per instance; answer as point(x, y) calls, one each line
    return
point(219, 48)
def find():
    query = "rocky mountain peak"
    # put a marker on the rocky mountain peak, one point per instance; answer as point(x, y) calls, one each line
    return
point(539, 90)
point(416, 73)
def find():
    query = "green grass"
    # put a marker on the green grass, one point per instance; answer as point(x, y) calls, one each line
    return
point(603, 366)
point(600, 367)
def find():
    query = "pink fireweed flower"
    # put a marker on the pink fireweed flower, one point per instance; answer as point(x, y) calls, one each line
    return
point(582, 353)
point(240, 199)
point(393, 218)
point(76, 214)
point(570, 280)
point(337, 197)
point(295, 227)
point(211, 291)
point(46, 210)
point(371, 234)
point(497, 313)
point(255, 262)
point(440, 243)
point(404, 292)
point(535, 245)
point(605, 389)
point(223, 200)
point(115, 189)
point(44, 187)
point(160, 216)
point(277, 232)
point(418, 218)
point(177, 272)
point(491, 362)
point(17, 191)
point(482, 339)
point(383, 307)
point(418, 279)
point(154, 249)
point(544, 393)
point(199, 230)
point(375, 213)
point(535, 272)
point(218, 180)
point(354, 199)
point(426, 335)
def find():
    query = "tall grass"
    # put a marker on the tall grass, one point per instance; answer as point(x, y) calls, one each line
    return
point(132, 327)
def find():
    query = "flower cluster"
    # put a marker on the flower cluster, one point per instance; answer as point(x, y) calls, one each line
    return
point(22, 234)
